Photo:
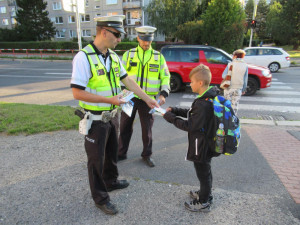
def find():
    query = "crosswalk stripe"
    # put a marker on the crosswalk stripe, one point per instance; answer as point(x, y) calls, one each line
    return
point(270, 99)
point(280, 92)
point(269, 108)
point(257, 107)
point(278, 83)
point(279, 87)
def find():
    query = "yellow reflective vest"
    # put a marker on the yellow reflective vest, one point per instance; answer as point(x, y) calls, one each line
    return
point(149, 70)
point(103, 83)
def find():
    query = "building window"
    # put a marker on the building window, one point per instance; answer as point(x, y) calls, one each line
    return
point(56, 5)
point(60, 34)
point(13, 21)
point(97, 6)
point(71, 19)
point(112, 13)
point(59, 20)
point(86, 33)
point(72, 33)
point(2, 9)
point(86, 3)
point(5, 22)
point(111, 2)
point(98, 14)
point(85, 18)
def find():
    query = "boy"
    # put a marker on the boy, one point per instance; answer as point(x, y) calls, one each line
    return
point(200, 128)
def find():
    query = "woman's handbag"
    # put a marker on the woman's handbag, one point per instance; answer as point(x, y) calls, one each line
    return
point(227, 81)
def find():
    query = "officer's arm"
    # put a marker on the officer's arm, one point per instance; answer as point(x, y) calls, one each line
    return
point(164, 78)
point(132, 86)
point(83, 95)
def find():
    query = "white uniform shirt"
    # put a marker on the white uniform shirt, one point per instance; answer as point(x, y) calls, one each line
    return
point(81, 72)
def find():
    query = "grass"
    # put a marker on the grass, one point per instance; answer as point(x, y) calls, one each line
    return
point(17, 118)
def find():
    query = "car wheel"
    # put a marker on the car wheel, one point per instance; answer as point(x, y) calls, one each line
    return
point(252, 86)
point(175, 83)
point(274, 67)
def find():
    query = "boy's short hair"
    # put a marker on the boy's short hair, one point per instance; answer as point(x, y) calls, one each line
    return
point(240, 53)
point(202, 73)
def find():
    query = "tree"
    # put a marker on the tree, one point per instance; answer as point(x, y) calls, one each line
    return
point(33, 22)
point(291, 17)
point(201, 8)
point(283, 22)
point(224, 24)
point(166, 15)
point(261, 17)
point(275, 24)
point(190, 32)
point(249, 11)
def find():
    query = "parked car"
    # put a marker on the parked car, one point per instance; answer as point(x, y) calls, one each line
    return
point(271, 57)
point(181, 59)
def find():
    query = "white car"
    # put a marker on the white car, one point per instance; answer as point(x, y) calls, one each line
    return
point(271, 57)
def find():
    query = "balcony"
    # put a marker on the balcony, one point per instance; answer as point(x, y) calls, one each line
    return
point(132, 22)
point(132, 5)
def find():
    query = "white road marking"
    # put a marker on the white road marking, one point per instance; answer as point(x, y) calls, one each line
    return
point(26, 76)
point(279, 87)
point(60, 73)
point(270, 99)
point(280, 92)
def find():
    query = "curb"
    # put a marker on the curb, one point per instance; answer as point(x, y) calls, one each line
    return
point(271, 122)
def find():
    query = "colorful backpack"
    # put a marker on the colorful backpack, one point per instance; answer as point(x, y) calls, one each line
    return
point(228, 135)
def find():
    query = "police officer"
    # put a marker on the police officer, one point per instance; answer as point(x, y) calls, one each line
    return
point(96, 76)
point(149, 69)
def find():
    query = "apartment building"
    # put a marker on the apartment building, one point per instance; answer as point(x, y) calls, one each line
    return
point(65, 22)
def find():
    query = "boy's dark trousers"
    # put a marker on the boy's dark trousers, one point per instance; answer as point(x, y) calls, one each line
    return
point(203, 171)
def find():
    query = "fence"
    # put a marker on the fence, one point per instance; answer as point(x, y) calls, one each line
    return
point(42, 53)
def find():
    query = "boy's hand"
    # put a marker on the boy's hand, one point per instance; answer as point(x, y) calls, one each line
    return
point(169, 109)
point(169, 116)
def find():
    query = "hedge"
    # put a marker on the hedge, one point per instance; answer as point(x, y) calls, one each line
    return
point(59, 45)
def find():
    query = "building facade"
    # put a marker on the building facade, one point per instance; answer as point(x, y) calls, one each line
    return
point(65, 22)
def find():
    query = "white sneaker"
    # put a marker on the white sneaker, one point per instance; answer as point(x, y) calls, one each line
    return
point(196, 206)
point(195, 195)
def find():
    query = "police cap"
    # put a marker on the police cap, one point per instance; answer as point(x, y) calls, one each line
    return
point(111, 21)
point(146, 33)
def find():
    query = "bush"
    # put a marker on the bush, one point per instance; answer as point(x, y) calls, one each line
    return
point(190, 32)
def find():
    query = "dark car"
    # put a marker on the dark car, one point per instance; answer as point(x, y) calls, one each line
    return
point(181, 59)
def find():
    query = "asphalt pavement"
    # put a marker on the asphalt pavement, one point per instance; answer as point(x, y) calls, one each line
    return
point(44, 181)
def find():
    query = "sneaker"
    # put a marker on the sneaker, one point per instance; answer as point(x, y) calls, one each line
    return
point(195, 195)
point(196, 206)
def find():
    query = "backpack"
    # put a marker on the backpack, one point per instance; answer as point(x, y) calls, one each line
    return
point(223, 113)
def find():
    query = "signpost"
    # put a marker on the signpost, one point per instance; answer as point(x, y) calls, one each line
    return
point(253, 23)
point(76, 6)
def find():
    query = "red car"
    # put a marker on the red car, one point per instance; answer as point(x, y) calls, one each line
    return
point(181, 59)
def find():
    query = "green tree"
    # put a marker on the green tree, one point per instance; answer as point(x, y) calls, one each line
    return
point(224, 24)
point(201, 8)
point(283, 22)
point(190, 32)
point(249, 11)
point(33, 21)
point(291, 17)
point(166, 15)
point(275, 23)
point(261, 17)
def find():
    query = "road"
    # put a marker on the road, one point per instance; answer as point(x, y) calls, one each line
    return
point(22, 80)
point(247, 171)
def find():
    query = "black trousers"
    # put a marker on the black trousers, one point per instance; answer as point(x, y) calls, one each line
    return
point(101, 146)
point(203, 171)
point(126, 128)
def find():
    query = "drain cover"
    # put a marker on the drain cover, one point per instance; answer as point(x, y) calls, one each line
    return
point(272, 117)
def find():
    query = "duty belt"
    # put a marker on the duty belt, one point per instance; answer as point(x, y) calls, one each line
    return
point(105, 116)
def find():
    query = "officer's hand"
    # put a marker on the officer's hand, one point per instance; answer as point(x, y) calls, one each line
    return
point(162, 100)
point(116, 100)
point(152, 103)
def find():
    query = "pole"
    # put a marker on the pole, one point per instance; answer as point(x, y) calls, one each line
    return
point(253, 18)
point(78, 27)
